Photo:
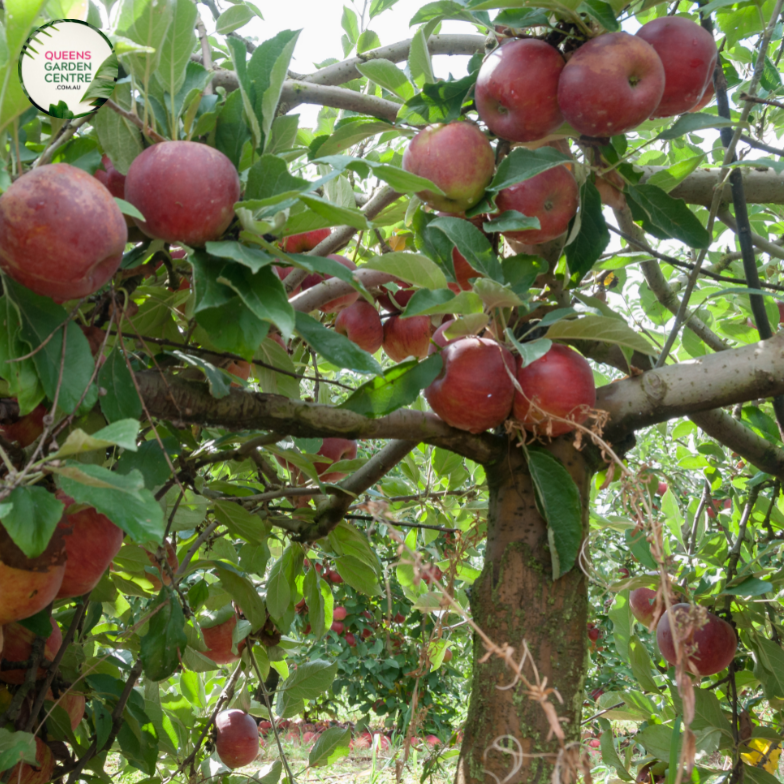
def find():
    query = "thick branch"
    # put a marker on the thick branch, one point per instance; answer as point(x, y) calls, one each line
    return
point(169, 397)
point(334, 287)
point(298, 92)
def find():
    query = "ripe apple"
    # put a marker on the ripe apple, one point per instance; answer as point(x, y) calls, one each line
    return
point(688, 54)
point(18, 645)
point(709, 649)
point(335, 449)
point(27, 585)
point(594, 634)
point(448, 655)
point(74, 705)
point(351, 640)
point(662, 488)
point(561, 384)
point(457, 158)
point(517, 90)
point(474, 390)
point(431, 574)
point(236, 738)
point(241, 369)
point(463, 272)
point(399, 618)
point(407, 337)
point(24, 773)
point(185, 190)
point(361, 324)
point(363, 741)
point(218, 641)
point(62, 235)
point(174, 564)
point(366, 633)
point(707, 97)
point(552, 196)
point(439, 339)
point(395, 301)
point(92, 541)
point(642, 604)
point(26, 429)
point(301, 243)
point(611, 84)
point(432, 741)
point(110, 178)
point(339, 613)
point(338, 627)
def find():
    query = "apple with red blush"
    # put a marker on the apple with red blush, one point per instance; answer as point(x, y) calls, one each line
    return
point(18, 645)
point(307, 240)
point(642, 603)
point(25, 429)
point(361, 324)
point(407, 337)
point(236, 738)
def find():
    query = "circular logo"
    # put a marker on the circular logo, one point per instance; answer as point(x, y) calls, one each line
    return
point(68, 68)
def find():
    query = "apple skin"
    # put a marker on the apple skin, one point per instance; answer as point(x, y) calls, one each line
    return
point(338, 627)
point(27, 585)
point(439, 339)
point(24, 773)
point(339, 613)
point(26, 429)
point(74, 705)
point(407, 337)
point(552, 196)
point(474, 390)
point(351, 640)
point(337, 304)
point(301, 243)
point(641, 604)
point(714, 644)
point(174, 563)
point(236, 738)
point(517, 90)
point(688, 54)
point(61, 233)
point(110, 178)
point(18, 645)
point(559, 382)
point(463, 272)
point(662, 488)
point(241, 369)
point(336, 449)
point(595, 91)
point(396, 301)
point(361, 324)
point(185, 190)
point(457, 158)
point(707, 97)
point(92, 541)
point(218, 641)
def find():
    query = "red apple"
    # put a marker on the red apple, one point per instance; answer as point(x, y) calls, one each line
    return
point(710, 648)
point(18, 645)
point(92, 541)
point(24, 773)
point(74, 705)
point(552, 196)
point(241, 369)
point(351, 640)
point(62, 235)
point(27, 585)
point(363, 741)
point(399, 618)
point(366, 633)
point(439, 339)
point(474, 390)
point(448, 655)
point(174, 564)
point(335, 449)
point(110, 178)
point(265, 727)
point(361, 324)
point(457, 158)
point(707, 97)
point(338, 627)
point(236, 738)
point(431, 574)
point(517, 90)
point(395, 301)
point(309, 738)
point(185, 190)
point(642, 604)
point(463, 272)
point(218, 641)
point(340, 613)
point(561, 384)
point(432, 741)
point(611, 84)
point(25, 430)
point(662, 488)
point(301, 243)
point(407, 337)
point(594, 634)
point(688, 54)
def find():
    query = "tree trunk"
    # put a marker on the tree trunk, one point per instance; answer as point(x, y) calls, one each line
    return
point(515, 599)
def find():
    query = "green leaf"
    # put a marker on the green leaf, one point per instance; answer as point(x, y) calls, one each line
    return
point(610, 755)
point(386, 74)
point(40, 318)
point(231, 129)
point(241, 522)
point(350, 24)
point(269, 181)
point(397, 387)
point(769, 667)
point(474, 246)
point(419, 65)
point(314, 598)
point(22, 378)
point(621, 616)
point(146, 22)
point(331, 746)
point(278, 587)
point(310, 680)
point(749, 587)
point(352, 133)
point(122, 433)
point(437, 103)
point(345, 539)
point(642, 666)
point(602, 328)
point(559, 500)
point(358, 575)
point(247, 88)
point(123, 499)
point(379, 6)
point(522, 164)
point(30, 515)
point(121, 400)
point(337, 216)
point(368, 40)
point(640, 548)
point(592, 238)
point(511, 220)
point(242, 590)
point(397, 178)
point(667, 179)
point(334, 347)
point(432, 303)
point(689, 123)
point(602, 12)
point(495, 295)
point(233, 18)
point(16, 747)
point(666, 217)
point(252, 258)
point(165, 640)
point(217, 381)
point(178, 47)
point(412, 268)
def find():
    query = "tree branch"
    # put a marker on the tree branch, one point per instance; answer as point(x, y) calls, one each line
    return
point(725, 216)
point(297, 92)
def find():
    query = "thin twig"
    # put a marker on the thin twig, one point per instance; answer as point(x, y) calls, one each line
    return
point(136, 120)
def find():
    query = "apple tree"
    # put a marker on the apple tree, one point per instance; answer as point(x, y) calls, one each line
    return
point(495, 351)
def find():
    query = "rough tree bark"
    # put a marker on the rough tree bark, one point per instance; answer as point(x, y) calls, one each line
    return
point(516, 599)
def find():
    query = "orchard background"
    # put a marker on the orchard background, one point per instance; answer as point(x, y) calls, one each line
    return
point(421, 509)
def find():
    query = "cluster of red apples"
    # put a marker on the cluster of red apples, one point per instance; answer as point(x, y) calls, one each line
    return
point(708, 643)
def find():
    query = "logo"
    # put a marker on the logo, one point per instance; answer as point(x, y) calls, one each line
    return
point(68, 68)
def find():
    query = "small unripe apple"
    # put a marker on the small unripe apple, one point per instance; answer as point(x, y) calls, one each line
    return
point(552, 197)
point(457, 158)
point(236, 738)
point(517, 90)
point(26, 429)
point(610, 85)
point(474, 390)
point(407, 337)
point(561, 384)
point(62, 235)
point(185, 190)
point(361, 324)
point(709, 649)
point(642, 604)
point(301, 243)
point(18, 645)
point(688, 54)
point(448, 655)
